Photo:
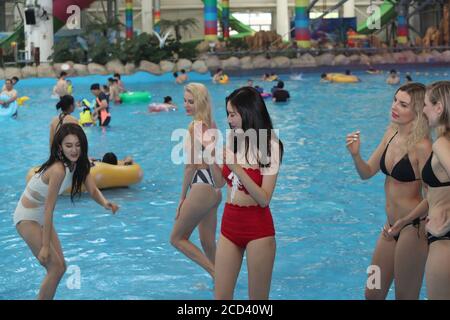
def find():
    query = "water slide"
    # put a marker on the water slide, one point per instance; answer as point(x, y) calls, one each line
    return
point(387, 13)
point(59, 19)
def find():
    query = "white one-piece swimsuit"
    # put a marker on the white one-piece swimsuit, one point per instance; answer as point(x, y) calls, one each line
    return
point(36, 192)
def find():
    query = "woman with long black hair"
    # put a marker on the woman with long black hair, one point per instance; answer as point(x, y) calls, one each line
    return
point(67, 166)
point(252, 158)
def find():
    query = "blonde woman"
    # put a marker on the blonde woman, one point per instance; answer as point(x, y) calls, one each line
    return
point(436, 174)
point(401, 156)
point(199, 206)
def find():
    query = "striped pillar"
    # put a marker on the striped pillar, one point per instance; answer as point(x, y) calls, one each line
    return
point(157, 16)
point(129, 19)
point(402, 29)
point(226, 19)
point(302, 35)
point(210, 16)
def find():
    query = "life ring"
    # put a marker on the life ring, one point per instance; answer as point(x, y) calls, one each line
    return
point(11, 110)
point(224, 79)
point(108, 175)
point(136, 96)
point(342, 78)
point(160, 107)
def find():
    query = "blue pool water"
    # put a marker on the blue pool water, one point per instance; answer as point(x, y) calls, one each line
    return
point(327, 219)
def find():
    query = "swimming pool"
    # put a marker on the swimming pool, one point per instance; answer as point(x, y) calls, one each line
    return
point(327, 220)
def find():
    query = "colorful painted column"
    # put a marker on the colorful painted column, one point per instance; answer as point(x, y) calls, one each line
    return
point(210, 16)
point(226, 19)
point(302, 35)
point(147, 16)
point(402, 25)
point(157, 16)
point(129, 19)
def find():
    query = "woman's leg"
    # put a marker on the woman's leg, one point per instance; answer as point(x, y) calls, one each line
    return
point(31, 232)
point(260, 259)
point(437, 270)
point(199, 202)
point(228, 264)
point(207, 230)
point(410, 258)
point(383, 258)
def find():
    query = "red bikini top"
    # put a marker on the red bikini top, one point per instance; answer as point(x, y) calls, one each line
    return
point(254, 174)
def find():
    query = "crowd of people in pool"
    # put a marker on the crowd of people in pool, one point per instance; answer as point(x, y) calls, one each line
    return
point(414, 242)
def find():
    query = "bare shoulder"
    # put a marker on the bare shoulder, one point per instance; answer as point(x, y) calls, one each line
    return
point(424, 146)
point(441, 144)
point(71, 119)
point(57, 169)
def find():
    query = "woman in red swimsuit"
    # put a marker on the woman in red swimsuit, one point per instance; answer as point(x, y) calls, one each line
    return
point(247, 224)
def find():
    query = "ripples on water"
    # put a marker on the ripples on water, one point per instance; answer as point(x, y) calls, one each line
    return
point(327, 220)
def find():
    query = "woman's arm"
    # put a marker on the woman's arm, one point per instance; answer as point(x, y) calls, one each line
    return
point(262, 195)
point(367, 169)
point(97, 195)
point(441, 149)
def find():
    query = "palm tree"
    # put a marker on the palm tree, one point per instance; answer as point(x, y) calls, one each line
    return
point(180, 26)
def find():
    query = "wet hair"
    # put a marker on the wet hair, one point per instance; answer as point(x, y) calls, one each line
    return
point(105, 87)
point(110, 158)
point(219, 70)
point(439, 91)
point(95, 86)
point(408, 77)
point(280, 84)
point(393, 71)
point(249, 104)
point(110, 79)
point(167, 99)
point(63, 74)
point(117, 75)
point(348, 72)
point(323, 75)
point(82, 167)
point(175, 74)
point(183, 71)
point(15, 79)
point(8, 80)
point(65, 103)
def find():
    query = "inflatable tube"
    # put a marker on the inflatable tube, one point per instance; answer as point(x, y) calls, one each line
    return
point(11, 110)
point(137, 96)
point(108, 175)
point(160, 107)
point(266, 95)
point(224, 79)
point(374, 71)
point(22, 100)
point(342, 78)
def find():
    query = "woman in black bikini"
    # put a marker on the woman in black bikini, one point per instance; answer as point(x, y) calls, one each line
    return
point(401, 155)
point(436, 174)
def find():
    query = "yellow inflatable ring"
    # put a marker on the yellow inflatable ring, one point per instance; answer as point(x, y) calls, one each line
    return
point(224, 79)
point(342, 78)
point(108, 175)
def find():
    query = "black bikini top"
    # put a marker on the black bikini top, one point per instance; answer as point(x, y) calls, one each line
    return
point(430, 178)
point(402, 170)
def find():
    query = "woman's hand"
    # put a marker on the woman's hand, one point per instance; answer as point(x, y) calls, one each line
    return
point(353, 143)
point(179, 208)
point(44, 254)
point(397, 227)
point(111, 206)
point(230, 159)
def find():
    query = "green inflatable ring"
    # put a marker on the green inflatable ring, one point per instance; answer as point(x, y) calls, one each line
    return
point(136, 96)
